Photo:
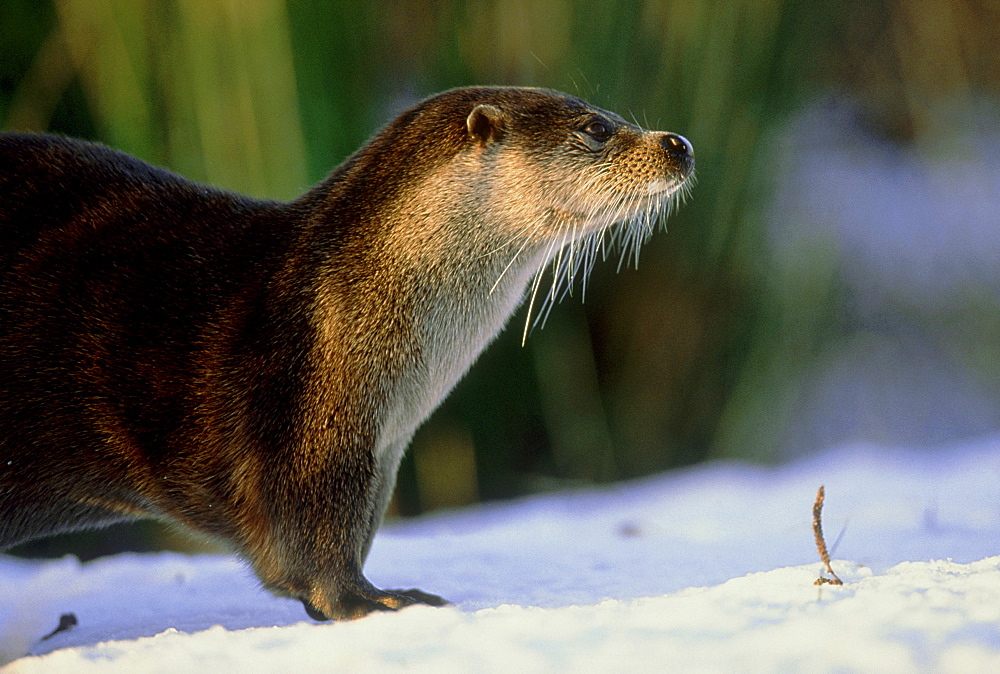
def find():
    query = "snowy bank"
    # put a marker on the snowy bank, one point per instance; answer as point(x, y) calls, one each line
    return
point(710, 569)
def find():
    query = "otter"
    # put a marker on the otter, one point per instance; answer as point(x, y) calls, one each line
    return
point(253, 370)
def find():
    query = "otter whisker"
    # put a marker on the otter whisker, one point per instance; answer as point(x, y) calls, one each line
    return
point(494, 251)
point(558, 261)
point(578, 253)
point(509, 264)
point(572, 261)
point(535, 284)
point(560, 268)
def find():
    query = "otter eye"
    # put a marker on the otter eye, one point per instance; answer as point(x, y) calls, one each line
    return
point(598, 130)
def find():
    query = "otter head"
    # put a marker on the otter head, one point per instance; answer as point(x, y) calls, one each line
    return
point(588, 168)
point(583, 176)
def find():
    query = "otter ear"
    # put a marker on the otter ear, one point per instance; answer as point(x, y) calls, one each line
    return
point(486, 123)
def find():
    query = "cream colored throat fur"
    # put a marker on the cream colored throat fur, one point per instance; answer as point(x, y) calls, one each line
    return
point(455, 274)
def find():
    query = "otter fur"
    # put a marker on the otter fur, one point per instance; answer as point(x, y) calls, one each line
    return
point(253, 370)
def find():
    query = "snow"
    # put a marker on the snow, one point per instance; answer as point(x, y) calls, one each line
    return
point(707, 569)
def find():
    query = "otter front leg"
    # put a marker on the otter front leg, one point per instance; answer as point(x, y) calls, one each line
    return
point(389, 468)
point(322, 527)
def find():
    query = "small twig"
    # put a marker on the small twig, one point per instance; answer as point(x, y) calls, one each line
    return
point(820, 543)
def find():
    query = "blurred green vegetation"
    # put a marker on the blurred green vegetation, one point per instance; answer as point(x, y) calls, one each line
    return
point(661, 366)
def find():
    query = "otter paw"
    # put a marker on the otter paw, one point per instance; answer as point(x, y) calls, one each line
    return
point(353, 606)
point(350, 607)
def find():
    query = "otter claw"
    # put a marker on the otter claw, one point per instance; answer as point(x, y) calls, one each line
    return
point(421, 597)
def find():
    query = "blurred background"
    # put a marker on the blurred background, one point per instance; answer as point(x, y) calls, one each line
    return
point(834, 277)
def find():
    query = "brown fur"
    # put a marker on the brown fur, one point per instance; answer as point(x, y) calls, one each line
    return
point(254, 370)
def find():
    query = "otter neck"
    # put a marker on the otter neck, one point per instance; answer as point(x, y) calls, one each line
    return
point(418, 296)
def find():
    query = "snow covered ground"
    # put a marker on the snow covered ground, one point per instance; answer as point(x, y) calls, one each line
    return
point(709, 569)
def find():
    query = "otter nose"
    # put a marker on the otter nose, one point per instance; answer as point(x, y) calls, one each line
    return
point(677, 144)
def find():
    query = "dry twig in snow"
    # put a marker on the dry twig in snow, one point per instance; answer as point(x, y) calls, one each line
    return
point(820, 543)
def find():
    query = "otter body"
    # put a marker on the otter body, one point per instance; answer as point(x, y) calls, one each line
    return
point(253, 370)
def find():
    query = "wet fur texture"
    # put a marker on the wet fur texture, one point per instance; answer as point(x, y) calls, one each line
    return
point(254, 370)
